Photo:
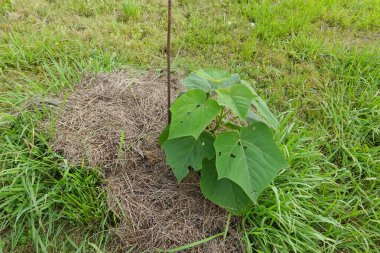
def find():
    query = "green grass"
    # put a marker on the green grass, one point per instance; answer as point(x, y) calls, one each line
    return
point(130, 9)
point(317, 63)
point(42, 198)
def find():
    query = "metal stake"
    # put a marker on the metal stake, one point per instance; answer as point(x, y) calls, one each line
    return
point(168, 54)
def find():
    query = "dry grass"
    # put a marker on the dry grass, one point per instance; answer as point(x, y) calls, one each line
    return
point(155, 211)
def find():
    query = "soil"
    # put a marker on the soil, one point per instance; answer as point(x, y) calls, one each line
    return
point(112, 121)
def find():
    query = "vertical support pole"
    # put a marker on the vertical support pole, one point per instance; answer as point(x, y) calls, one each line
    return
point(168, 56)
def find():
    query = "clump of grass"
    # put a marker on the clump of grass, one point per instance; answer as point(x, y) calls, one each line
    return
point(5, 6)
point(130, 9)
point(43, 200)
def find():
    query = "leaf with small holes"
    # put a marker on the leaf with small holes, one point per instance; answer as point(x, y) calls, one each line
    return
point(223, 192)
point(192, 113)
point(237, 97)
point(187, 151)
point(248, 157)
point(210, 79)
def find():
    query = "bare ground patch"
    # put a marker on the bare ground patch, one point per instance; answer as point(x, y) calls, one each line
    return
point(155, 210)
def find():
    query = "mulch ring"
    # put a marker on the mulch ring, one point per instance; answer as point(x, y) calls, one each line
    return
point(112, 121)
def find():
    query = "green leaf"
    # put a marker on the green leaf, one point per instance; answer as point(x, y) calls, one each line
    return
point(223, 192)
point(248, 157)
point(262, 108)
point(164, 135)
point(210, 79)
point(187, 151)
point(265, 113)
point(195, 81)
point(192, 113)
point(231, 125)
point(238, 98)
point(254, 117)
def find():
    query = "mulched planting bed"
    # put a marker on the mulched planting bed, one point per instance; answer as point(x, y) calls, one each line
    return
point(112, 121)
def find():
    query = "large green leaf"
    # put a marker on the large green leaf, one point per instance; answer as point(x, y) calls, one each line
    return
point(192, 113)
point(237, 97)
point(210, 79)
point(262, 108)
point(187, 151)
point(248, 157)
point(223, 192)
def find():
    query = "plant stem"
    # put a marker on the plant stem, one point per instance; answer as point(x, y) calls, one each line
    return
point(218, 121)
point(227, 226)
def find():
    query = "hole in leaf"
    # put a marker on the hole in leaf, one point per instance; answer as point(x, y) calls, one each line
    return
point(239, 143)
point(220, 153)
point(181, 121)
point(233, 156)
point(198, 106)
point(244, 147)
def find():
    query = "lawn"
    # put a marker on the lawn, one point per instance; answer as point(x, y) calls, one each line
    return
point(316, 63)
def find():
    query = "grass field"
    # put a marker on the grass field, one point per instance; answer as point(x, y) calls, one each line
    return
point(316, 62)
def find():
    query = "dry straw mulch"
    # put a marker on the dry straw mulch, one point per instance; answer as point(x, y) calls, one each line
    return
point(155, 210)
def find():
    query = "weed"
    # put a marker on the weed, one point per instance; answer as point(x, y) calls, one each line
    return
point(131, 9)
